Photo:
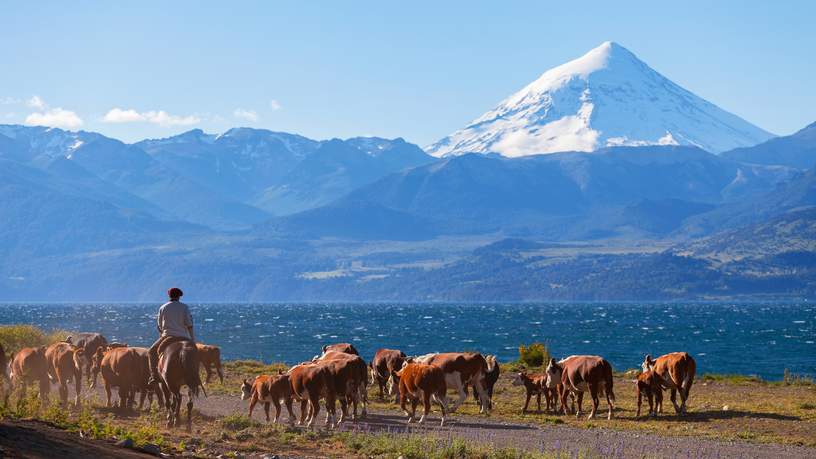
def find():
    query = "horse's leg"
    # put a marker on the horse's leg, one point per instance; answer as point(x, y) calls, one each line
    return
point(189, 410)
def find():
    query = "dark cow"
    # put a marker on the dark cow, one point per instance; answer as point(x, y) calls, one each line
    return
point(647, 384)
point(350, 381)
point(210, 357)
point(311, 382)
point(269, 389)
point(141, 386)
point(491, 377)
point(462, 369)
point(534, 384)
point(346, 348)
point(675, 372)
point(121, 368)
point(584, 373)
point(30, 365)
point(426, 382)
point(383, 366)
point(64, 366)
point(90, 342)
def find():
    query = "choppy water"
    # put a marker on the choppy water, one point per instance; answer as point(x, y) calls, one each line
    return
point(759, 339)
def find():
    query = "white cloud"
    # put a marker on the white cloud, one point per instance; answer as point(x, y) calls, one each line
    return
point(275, 105)
point(9, 101)
point(160, 117)
point(249, 115)
point(54, 117)
point(36, 102)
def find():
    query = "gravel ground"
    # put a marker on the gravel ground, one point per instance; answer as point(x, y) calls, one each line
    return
point(556, 438)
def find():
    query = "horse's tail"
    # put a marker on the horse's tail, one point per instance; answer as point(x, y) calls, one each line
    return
point(189, 365)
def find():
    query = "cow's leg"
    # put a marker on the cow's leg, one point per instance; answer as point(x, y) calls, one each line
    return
point(674, 400)
point(456, 384)
point(288, 403)
point(219, 370)
point(123, 395)
point(538, 401)
point(651, 397)
point(580, 405)
point(426, 405)
point(266, 411)
point(564, 395)
point(208, 369)
point(414, 403)
point(330, 408)
point(683, 392)
point(63, 392)
point(593, 392)
point(443, 402)
point(45, 388)
point(612, 405)
point(108, 394)
point(314, 409)
point(479, 387)
point(526, 402)
point(189, 410)
point(640, 402)
point(303, 411)
point(276, 402)
point(402, 405)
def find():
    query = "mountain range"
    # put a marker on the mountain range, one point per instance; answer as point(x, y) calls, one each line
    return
point(723, 210)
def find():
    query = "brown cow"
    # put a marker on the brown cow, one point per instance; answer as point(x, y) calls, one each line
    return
point(30, 365)
point(122, 368)
point(647, 384)
point(341, 347)
point(462, 369)
point(90, 342)
point(350, 381)
point(383, 366)
point(65, 365)
point(311, 382)
point(535, 384)
point(269, 389)
point(584, 373)
point(145, 391)
point(210, 356)
point(675, 372)
point(418, 380)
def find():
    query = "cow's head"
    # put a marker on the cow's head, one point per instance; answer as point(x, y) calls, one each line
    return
point(246, 389)
point(96, 364)
point(491, 363)
point(648, 363)
point(79, 358)
point(554, 371)
point(518, 379)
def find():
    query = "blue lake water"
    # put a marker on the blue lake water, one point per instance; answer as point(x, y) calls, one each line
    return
point(758, 339)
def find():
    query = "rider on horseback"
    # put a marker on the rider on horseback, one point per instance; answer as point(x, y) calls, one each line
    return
point(175, 324)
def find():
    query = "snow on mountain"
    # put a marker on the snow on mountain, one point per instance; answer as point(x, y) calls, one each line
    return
point(608, 97)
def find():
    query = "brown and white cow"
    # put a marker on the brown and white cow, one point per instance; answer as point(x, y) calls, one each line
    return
point(535, 384)
point(421, 381)
point(462, 369)
point(674, 371)
point(90, 342)
point(311, 382)
point(120, 367)
point(383, 366)
point(346, 348)
point(30, 365)
point(584, 373)
point(210, 357)
point(64, 366)
point(350, 377)
point(491, 377)
point(269, 389)
point(647, 384)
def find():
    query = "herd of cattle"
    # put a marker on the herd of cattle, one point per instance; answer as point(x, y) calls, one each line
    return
point(338, 374)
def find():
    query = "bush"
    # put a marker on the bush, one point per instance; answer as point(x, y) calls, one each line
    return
point(534, 355)
point(15, 337)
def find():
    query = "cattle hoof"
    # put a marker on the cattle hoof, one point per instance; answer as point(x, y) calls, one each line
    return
point(421, 420)
point(410, 420)
point(442, 423)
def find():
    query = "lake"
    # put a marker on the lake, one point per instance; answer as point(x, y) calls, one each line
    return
point(755, 339)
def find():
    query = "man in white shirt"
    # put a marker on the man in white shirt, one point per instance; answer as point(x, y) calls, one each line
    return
point(175, 324)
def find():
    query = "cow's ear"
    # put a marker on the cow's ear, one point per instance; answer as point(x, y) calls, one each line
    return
point(280, 371)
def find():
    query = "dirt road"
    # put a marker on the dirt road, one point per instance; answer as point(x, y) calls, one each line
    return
point(556, 438)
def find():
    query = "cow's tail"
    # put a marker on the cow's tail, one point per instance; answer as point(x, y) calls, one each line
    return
point(189, 365)
point(688, 379)
point(217, 366)
point(608, 383)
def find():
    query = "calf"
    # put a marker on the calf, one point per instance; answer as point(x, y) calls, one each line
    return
point(122, 368)
point(383, 366)
point(311, 382)
point(346, 348)
point(584, 373)
point(210, 357)
point(64, 366)
point(535, 384)
point(350, 380)
point(675, 372)
point(30, 365)
point(269, 389)
point(90, 342)
point(417, 380)
point(462, 369)
point(647, 384)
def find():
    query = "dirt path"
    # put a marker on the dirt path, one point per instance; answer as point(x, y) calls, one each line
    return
point(38, 440)
point(564, 439)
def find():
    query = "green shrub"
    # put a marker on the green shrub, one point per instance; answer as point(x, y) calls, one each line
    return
point(236, 422)
point(534, 355)
point(15, 337)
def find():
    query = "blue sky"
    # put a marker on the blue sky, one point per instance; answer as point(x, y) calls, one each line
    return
point(417, 70)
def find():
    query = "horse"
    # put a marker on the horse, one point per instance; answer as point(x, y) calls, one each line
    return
point(178, 366)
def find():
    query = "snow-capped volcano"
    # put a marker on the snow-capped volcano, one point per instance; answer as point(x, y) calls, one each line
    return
point(607, 97)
